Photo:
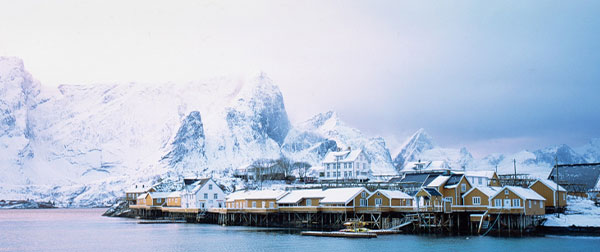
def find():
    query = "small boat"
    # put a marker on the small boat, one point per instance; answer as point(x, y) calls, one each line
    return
point(340, 234)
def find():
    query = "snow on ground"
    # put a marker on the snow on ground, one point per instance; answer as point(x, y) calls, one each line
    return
point(580, 212)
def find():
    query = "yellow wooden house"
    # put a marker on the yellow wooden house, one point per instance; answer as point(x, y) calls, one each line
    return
point(429, 200)
point(390, 200)
point(477, 199)
point(517, 200)
point(174, 199)
point(555, 195)
point(134, 192)
point(305, 201)
point(344, 199)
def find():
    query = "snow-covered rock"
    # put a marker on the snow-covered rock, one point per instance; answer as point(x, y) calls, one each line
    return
point(580, 212)
point(312, 139)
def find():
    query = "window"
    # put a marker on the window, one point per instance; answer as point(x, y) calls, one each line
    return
point(564, 196)
point(541, 204)
point(328, 174)
point(463, 187)
point(158, 200)
point(264, 204)
point(271, 204)
point(345, 174)
point(498, 202)
point(338, 165)
point(209, 187)
point(327, 166)
point(506, 192)
point(345, 165)
point(363, 202)
point(253, 204)
point(378, 201)
point(206, 195)
point(350, 174)
point(479, 180)
point(363, 194)
point(516, 202)
point(476, 200)
point(530, 204)
point(308, 202)
point(216, 196)
point(350, 165)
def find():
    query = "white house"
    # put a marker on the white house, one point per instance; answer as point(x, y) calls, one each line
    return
point(202, 194)
point(346, 165)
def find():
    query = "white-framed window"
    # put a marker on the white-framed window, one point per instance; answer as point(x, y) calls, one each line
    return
point(328, 174)
point(209, 187)
point(271, 204)
point(498, 202)
point(480, 180)
point(253, 204)
point(564, 196)
point(378, 201)
point(516, 202)
point(158, 200)
point(476, 200)
point(206, 196)
point(349, 174)
point(363, 194)
point(345, 174)
point(308, 202)
point(530, 204)
point(363, 202)
point(506, 192)
point(463, 187)
point(215, 196)
point(350, 165)
point(541, 204)
point(264, 204)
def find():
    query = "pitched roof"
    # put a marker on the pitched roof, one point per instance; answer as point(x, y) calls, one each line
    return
point(432, 191)
point(415, 178)
point(439, 181)
point(196, 185)
point(264, 194)
point(174, 194)
point(159, 195)
point(345, 156)
point(586, 176)
point(524, 193)
point(487, 190)
point(296, 196)
point(142, 196)
point(341, 195)
point(392, 194)
point(453, 180)
point(550, 184)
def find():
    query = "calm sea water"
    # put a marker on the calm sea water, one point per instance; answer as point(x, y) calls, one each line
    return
point(86, 230)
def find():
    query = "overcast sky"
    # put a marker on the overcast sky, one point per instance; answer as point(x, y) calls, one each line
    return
point(494, 76)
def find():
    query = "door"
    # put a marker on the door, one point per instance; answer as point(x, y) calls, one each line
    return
point(506, 203)
point(447, 206)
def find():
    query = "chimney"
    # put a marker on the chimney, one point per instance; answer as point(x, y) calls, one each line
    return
point(142, 186)
point(135, 186)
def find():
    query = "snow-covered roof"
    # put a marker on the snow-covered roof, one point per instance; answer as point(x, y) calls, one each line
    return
point(524, 193)
point(432, 191)
point(264, 194)
point(174, 195)
point(454, 180)
point(392, 194)
point(297, 195)
point(586, 176)
point(340, 195)
point(439, 181)
point(551, 184)
point(142, 196)
point(159, 195)
point(345, 156)
point(487, 190)
point(197, 185)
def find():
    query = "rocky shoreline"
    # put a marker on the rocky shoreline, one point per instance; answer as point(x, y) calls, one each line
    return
point(25, 204)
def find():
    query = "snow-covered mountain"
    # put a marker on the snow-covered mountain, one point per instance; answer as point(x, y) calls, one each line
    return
point(312, 139)
point(537, 163)
point(82, 145)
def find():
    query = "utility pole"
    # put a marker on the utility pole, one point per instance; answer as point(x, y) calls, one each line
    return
point(515, 177)
point(557, 187)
